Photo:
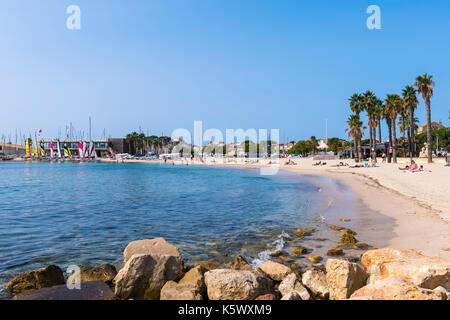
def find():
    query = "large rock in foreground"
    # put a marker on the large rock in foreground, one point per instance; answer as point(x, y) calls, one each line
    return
point(175, 291)
point(423, 271)
point(96, 290)
point(38, 279)
point(396, 289)
point(344, 278)
point(225, 284)
point(144, 275)
point(149, 264)
point(190, 287)
point(105, 272)
point(150, 246)
point(289, 284)
point(275, 271)
point(316, 281)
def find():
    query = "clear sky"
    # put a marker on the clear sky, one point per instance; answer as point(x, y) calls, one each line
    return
point(160, 65)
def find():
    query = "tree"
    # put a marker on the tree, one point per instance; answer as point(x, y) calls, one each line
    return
point(424, 86)
point(354, 130)
point(370, 105)
point(393, 105)
point(314, 144)
point(411, 102)
point(379, 115)
point(334, 144)
point(356, 106)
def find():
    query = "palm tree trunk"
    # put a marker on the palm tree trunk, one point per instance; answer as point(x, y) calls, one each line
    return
point(394, 142)
point(409, 143)
point(379, 129)
point(360, 157)
point(429, 144)
point(374, 143)
point(411, 129)
point(390, 136)
point(371, 142)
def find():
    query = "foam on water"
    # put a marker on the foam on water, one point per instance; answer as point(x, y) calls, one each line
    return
point(264, 255)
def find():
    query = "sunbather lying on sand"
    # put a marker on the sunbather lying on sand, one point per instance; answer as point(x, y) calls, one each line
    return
point(340, 164)
point(317, 163)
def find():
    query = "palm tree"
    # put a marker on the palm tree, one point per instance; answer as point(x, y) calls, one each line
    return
point(424, 86)
point(356, 105)
point(370, 105)
point(393, 106)
point(354, 131)
point(379, 114)
point(314, 144)
point(411, 102)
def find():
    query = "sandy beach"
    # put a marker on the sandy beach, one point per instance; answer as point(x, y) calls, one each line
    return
point(419, 203)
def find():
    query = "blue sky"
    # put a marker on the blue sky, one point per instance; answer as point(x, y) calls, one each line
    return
point(160, 65)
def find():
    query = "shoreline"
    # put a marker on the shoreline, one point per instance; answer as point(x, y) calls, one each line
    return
point(421, 214)
point(421, 222)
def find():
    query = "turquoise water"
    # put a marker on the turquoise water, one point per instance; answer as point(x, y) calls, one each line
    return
point(66, 214)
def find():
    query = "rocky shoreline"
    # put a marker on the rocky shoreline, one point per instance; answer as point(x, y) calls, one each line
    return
point(154, 270)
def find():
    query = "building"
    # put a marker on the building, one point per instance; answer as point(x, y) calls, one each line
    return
point(11, 149)
point(423, 127)
point(119, 145)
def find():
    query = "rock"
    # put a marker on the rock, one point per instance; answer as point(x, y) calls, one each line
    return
point(37, 279)
point(290, 283)
point(239, 263)
point(190, 287)
point(195, 277)
point(349, 231)
point(105, 272)
point(345, 219)
point(301, 233)
point(310, 229)
point(335, 252)
point(144, 275)
point(348, 238)
point(278, 253)
point(293, 295)
point(337, 228)
point(444, 292)
point(225, 284)
point(397, 289)
point(94, 290)
point(316, 281)
point(344, 278)
point(208, 265)
point(361, 298)
point(275, 271)
point(176, 291)
point(268, 296)
point(423, 271)
point(360, 246)
point(150, 246)
point(293, 266)
point(351, 259)
point(314, 258)
point(300, 251)
point(285, 259)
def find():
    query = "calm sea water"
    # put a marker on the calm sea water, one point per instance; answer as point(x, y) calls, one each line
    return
point(66, 214)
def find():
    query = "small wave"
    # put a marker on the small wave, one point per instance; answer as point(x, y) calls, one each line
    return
point(264, 256)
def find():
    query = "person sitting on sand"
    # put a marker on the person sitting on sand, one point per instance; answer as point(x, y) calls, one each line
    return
point(411, 167)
